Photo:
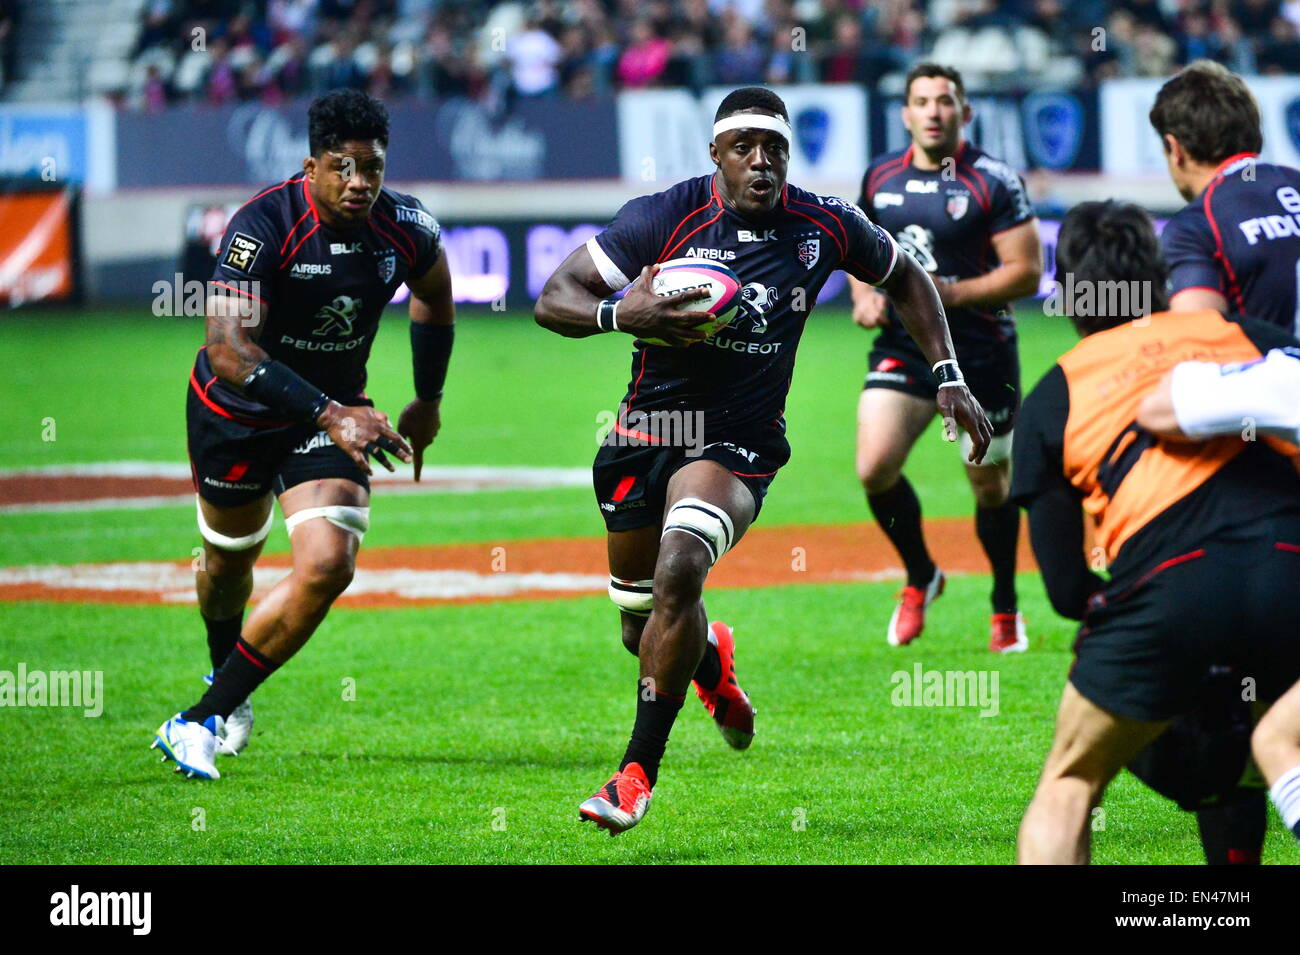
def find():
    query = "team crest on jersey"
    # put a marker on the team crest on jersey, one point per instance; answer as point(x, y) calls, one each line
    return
point(387, 268)
point(808, 252)
point(958, 203)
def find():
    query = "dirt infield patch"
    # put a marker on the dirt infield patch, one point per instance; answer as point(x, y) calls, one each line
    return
point(523, 570)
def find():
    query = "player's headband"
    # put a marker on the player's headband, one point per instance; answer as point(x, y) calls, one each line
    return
point(753, 121)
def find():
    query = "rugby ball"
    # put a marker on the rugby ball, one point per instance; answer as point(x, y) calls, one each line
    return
point(722, 284)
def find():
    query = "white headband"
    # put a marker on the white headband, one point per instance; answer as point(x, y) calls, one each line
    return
point(753, 121)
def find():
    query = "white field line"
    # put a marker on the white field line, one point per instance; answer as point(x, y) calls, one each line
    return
point(434, 480)
point(175, 582)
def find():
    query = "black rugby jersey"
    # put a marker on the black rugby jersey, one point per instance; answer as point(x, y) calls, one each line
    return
point(325, 288)
point(947, 220)
point(1241, 238)
point(739, 377)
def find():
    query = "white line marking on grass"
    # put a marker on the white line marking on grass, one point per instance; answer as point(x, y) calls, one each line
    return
point(174, 583)
point(435, 480)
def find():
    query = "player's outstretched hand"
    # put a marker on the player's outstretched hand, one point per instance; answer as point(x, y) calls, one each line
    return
point(960, 409)
point(871, 309)
point(419, 423)
point(646, 315)
point(362, 431)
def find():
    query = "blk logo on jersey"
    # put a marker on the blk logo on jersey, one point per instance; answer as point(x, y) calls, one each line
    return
point(338, 316)
point(387, 268)
point(344, 248)
point(958, 203)
point(746, 235)
point(808, 252)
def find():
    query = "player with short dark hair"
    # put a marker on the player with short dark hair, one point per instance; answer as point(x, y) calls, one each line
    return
point(1234, 246)
point(670, 515)
point(277, 404)
point(1201, 540)
point(967, 219)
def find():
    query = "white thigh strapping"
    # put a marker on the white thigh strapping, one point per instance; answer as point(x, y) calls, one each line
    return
point(354, 520)
point(217, 539)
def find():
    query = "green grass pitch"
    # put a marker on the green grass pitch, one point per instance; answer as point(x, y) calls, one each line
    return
point(476, 730)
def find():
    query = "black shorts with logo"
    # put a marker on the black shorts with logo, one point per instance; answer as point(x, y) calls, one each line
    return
point(1233, 601)
point(234, 461)
point(993, 380)
point(631, 479)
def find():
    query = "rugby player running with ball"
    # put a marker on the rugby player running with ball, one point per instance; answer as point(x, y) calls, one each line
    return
point(671, 516)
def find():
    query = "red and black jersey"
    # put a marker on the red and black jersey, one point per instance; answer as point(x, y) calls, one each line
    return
point(1241, 238)
point(947, 219)
point(323, 289)
point(740, 376)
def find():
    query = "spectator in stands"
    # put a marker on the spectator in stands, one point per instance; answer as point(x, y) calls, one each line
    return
point(1255, 17)
point(534, 57)
point(289, 19)
point(843, 64)
point(1281, 54)
point(154, 93)
point(1155, 53)
point(646, 57)
point(741, 60)
point(279, 48)
point(338, 69)
point(221, 84)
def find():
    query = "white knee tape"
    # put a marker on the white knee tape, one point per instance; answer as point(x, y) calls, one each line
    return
point(233, 543)
point(634, 596)
point(999, 449)
point(354, 520)
point(703, 520)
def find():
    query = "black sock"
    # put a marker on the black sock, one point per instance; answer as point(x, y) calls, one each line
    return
point(654, 721)
point(241, 674)
point(899, 513)
point(709, 673)
point(1233, 834)
point(222, 635)
point(999, 531)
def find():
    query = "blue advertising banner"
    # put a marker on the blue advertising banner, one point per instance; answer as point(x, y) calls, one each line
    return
point(1057, 130)
point(50, 143)
point(456, 140)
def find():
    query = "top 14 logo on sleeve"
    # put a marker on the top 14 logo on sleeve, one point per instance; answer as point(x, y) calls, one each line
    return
point(242, 252)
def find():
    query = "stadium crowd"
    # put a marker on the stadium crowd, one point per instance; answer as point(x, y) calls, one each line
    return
point(218, 51)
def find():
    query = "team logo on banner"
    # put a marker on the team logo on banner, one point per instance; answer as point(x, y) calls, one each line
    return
point(1054, 128)
point(387, 268)
point(812, 128)
point(1293, 122)
point(808, 252)
point(958, 203)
